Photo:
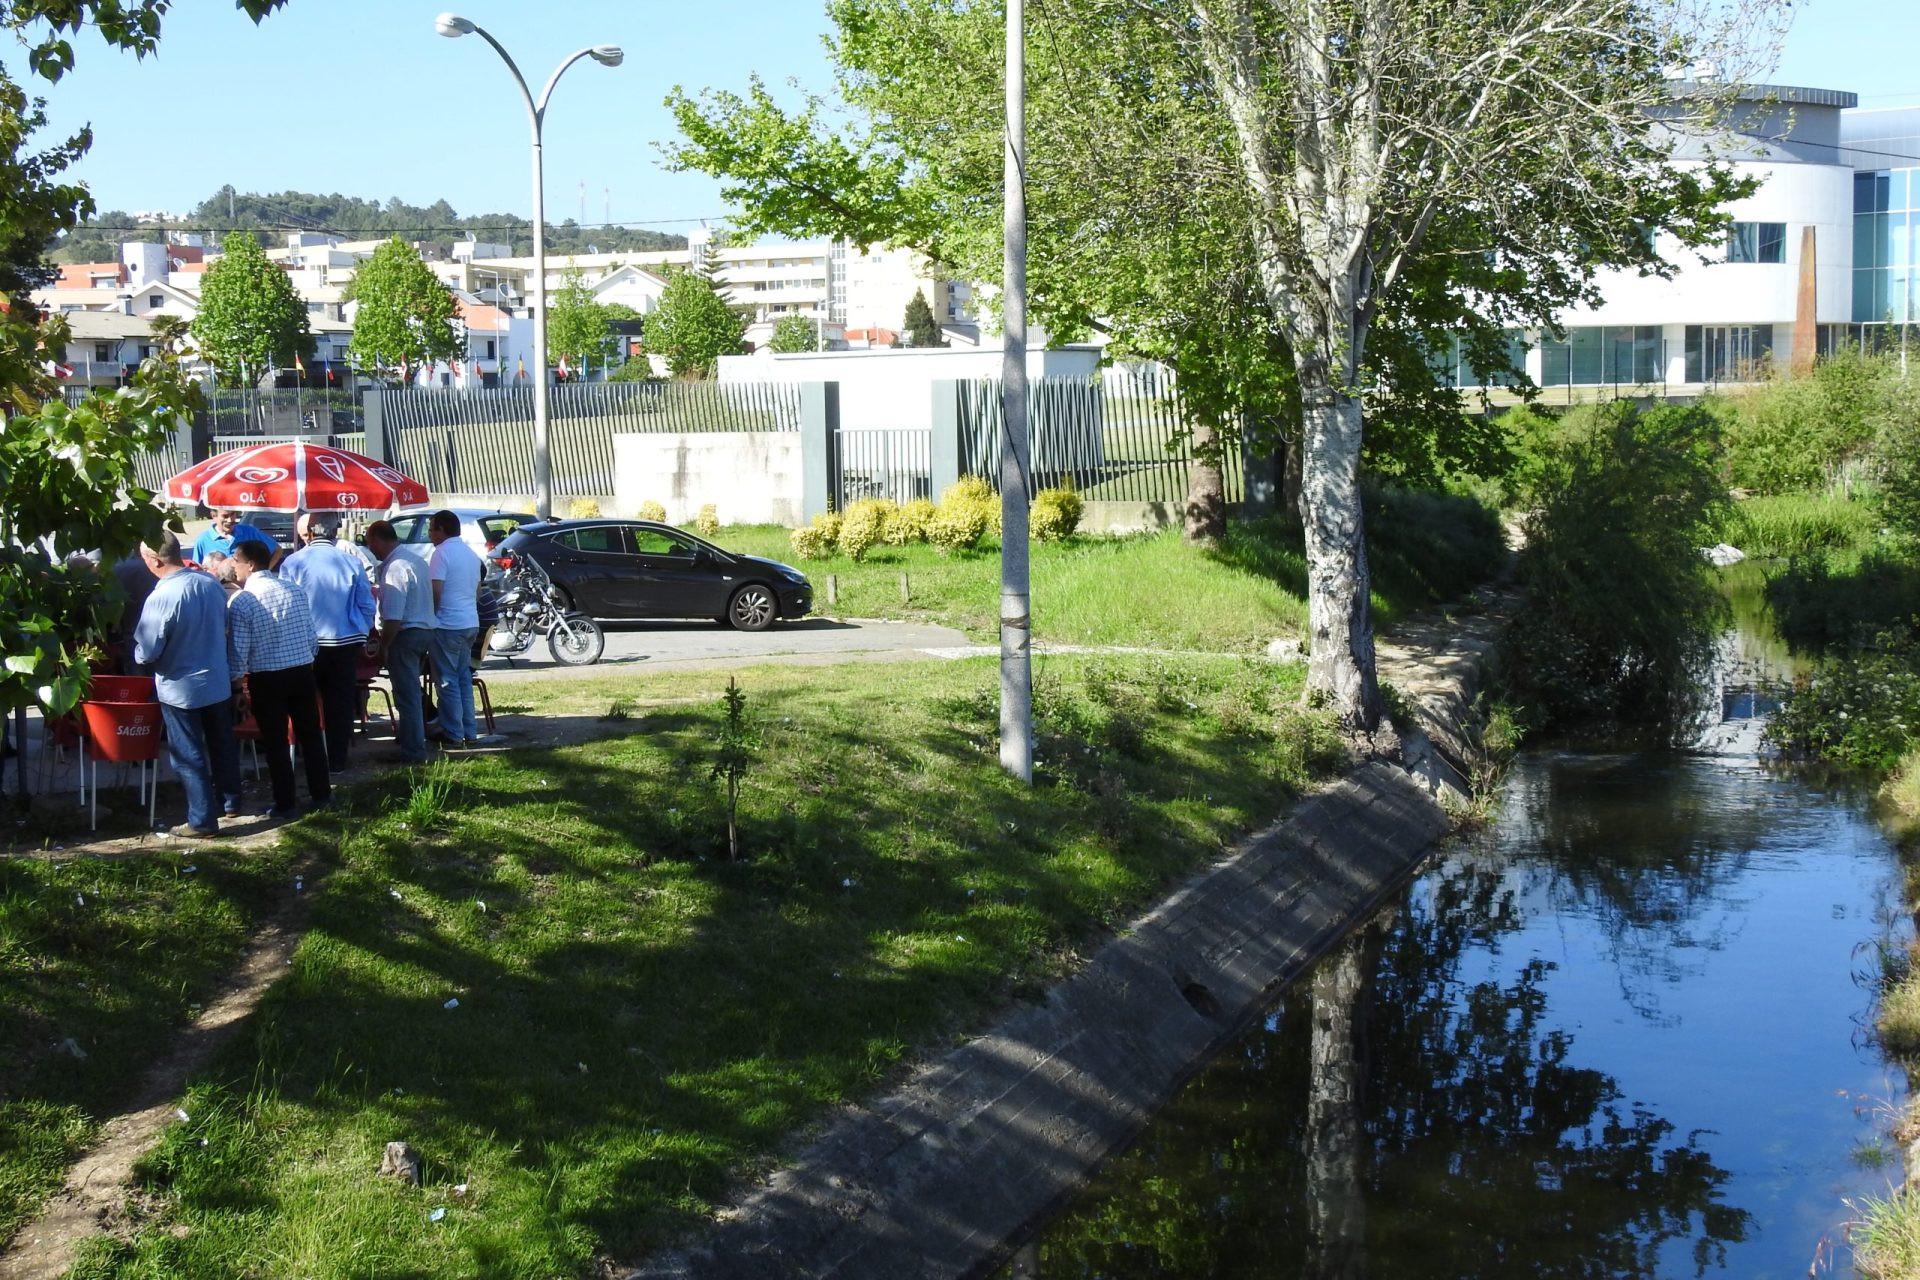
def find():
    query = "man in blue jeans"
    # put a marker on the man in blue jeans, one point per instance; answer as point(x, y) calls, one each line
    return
point(406, 631)
point(456, 572)
point(182, 636)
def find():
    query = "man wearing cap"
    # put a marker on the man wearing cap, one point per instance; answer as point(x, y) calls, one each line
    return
point(335, 584)
point(273, 643)
point(182, 636)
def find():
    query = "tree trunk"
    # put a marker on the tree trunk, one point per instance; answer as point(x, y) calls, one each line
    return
point(1340, 661)
point(1336, 1204)
point(1205, 515)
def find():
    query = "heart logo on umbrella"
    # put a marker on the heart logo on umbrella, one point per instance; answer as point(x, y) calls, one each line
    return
point(259, 475)
point(346, 499)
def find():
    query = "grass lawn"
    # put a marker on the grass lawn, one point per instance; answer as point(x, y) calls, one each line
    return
point(639, 1021)
point(1155, 591)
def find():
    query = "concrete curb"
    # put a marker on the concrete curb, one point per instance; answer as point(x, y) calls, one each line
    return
point(942, 1176)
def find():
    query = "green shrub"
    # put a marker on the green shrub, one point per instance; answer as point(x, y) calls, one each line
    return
point(828, 523)
point(1793, 524)
point(810, 542)
point(1056, 513)
point(863, 524)
point(909, 522)
point(974, 494)
point(957, 526)
point(650, 510)
point(1857, 710)
point(1897, 459)
point(583, 509)
point(708, 521)
point(1791, 433)
point(1620, 610)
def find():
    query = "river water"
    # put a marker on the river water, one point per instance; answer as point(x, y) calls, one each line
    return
point(1621, 1031)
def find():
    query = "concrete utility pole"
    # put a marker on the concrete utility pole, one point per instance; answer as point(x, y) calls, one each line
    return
point(1016, 625)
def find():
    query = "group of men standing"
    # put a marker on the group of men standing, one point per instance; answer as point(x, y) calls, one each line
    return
point(287, 645)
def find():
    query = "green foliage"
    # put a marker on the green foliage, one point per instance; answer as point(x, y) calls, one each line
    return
point(67, 485)
point(1056, 514)
point(636, 368)
point(735, 746)
point(1795, 433)
point(909, 523)
point(828, 523)
point(810, 542)
point(1798, 524)
point(1620, 607)
point(795, 334)
point(405, 316)
point(968, 509)
point(1897, 454)
point(693, 326)
point(589, 509)
point(708, 521)
point(578, 327)
point(920, 328)
point(864, 524)
point(1858, 710)
point(1831, 602)
point(650, 510)
point(250, 319)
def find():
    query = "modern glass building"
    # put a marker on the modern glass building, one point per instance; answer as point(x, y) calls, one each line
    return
point(1838, 203)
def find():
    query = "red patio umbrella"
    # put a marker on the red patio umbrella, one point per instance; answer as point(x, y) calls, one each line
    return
point(293, 475)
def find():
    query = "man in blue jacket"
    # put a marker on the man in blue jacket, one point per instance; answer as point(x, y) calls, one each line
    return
point(182, 636)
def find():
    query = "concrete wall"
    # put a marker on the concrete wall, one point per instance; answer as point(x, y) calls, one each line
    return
point(894, 389)
point(751, 477)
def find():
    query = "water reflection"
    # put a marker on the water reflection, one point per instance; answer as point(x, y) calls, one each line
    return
point(1579, 1047)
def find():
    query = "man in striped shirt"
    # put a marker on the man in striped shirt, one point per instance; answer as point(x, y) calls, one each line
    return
point(271, 639)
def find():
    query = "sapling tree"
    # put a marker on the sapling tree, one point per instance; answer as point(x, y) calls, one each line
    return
point(735, 748)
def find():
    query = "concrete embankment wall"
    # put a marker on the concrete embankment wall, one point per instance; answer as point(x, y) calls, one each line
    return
point(944, 1175)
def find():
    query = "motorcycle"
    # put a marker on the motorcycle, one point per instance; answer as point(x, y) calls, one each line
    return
point(532, 606)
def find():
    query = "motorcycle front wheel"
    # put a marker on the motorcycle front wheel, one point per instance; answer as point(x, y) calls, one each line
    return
point(577, 641)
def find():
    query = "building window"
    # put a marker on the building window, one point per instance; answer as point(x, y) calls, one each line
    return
point(490, 354)
point(1757, 242)
point(102, 352)
point(1732, 352)
point(1633, 355)
point(155, 302)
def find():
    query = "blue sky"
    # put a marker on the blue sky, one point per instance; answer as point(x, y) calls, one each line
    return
point(361, 97)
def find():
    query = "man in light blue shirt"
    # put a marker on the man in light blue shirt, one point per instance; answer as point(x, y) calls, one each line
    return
point(406, 632)
point(335, 583)
point(227, 528)
point(182, 636)
point(456, 572)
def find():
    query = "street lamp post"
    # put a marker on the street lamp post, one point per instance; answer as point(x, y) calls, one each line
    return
point(453, 26)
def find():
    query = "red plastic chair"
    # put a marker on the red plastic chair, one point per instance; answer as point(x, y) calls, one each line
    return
point(122, 733)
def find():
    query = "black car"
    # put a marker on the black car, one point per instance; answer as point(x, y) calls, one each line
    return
point(621, 570)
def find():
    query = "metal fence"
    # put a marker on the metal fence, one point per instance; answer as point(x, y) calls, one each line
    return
point(481, 441)
point(295, 411)
point(1126, 441)
point(883, 463)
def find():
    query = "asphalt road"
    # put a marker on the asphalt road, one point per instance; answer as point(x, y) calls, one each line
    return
point(705, 644)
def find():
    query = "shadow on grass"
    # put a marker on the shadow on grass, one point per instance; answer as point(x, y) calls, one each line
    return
point(638, 1020)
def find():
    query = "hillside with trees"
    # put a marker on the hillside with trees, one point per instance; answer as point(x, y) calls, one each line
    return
point(97, 239)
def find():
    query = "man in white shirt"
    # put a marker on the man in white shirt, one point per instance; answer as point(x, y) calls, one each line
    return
point(456, 572)
point(406, 632)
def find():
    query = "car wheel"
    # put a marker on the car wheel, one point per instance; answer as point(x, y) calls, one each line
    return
point(753, 608)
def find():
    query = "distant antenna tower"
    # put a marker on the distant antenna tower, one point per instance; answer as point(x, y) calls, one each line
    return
point(606, 205)
point(583, 202)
